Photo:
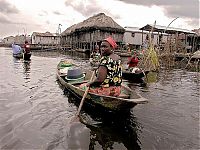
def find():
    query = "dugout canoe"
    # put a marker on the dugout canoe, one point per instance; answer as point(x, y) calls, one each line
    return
point(128, 75)
point(19, 55)
point(125, 101)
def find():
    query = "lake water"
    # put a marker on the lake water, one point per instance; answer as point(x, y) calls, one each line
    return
point(35, 112)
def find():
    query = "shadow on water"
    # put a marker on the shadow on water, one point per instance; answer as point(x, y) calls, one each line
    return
point(112, 131)
point(121, 130)
point(26, 69)
point(108, 130)
point(16, 62)
point(26, 64)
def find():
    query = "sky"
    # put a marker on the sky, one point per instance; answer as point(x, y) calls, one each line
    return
point(27, 16)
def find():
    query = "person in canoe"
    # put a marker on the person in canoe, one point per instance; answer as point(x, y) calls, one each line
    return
point(109, 73)
point(133, 62)
point(95, 56)
point(16, 49)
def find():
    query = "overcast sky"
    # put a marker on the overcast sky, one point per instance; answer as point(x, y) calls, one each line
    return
point(27, 16)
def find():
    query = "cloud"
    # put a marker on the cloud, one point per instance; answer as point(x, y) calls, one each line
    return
point(4, 20)
point(57, 13)
point(43, 13)
point(83, 7)
point(47, 22)
point(89, 8)
point(189, 13)
point(6, 7)
point(173, 8)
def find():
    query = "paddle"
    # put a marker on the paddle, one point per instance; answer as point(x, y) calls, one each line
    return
point(85, 94)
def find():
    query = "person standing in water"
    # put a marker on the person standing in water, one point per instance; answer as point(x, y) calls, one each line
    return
point(27, 47)
point(27, 51)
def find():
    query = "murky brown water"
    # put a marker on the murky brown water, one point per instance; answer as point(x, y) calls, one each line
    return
point(35, 113)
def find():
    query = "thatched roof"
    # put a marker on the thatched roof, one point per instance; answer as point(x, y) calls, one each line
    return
point(69, 30)
point(96, 22)
point(197, 31)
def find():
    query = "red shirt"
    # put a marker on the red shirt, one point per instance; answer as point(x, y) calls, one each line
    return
point(132, 61)
point(27, 48)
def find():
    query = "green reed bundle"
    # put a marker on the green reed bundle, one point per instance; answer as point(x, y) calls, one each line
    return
point(150, 59)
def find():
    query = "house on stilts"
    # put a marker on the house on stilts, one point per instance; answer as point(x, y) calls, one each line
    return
point(85, 35)
point(178, 40)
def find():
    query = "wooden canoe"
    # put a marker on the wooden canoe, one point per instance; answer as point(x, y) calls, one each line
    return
point(125, 101)
point(128, 75)
point(19, 55)
point(22, 55)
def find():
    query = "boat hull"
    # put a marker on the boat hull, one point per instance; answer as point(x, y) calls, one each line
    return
point(127, 75)
point(19, 55)
point(127, 99)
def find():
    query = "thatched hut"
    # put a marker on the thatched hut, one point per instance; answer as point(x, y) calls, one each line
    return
point(85, 35)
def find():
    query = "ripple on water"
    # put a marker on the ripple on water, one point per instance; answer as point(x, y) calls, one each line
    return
point(35, 113)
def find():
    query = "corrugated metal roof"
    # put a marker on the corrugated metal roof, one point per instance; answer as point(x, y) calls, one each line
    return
point(137, 30)
point(170, 30)
point(45, 34)
point(133, 29)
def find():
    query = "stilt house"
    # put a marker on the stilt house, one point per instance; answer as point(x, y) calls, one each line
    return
point(85, 35)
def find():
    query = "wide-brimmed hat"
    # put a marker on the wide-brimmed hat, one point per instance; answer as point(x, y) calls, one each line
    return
point(74, 74)
point(75, 79)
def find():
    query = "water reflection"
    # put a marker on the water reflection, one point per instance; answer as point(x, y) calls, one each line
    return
point(108, 130)
point(169, 121)
point(17, 62)
point(75, 54)
point(152, 77)
point(26, 69)
point(47, 53)
point(120, 133)
point(77, 137)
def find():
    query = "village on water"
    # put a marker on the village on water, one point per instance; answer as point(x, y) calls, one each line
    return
point(122, 62)
point(83, 36)
point(152, 45)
